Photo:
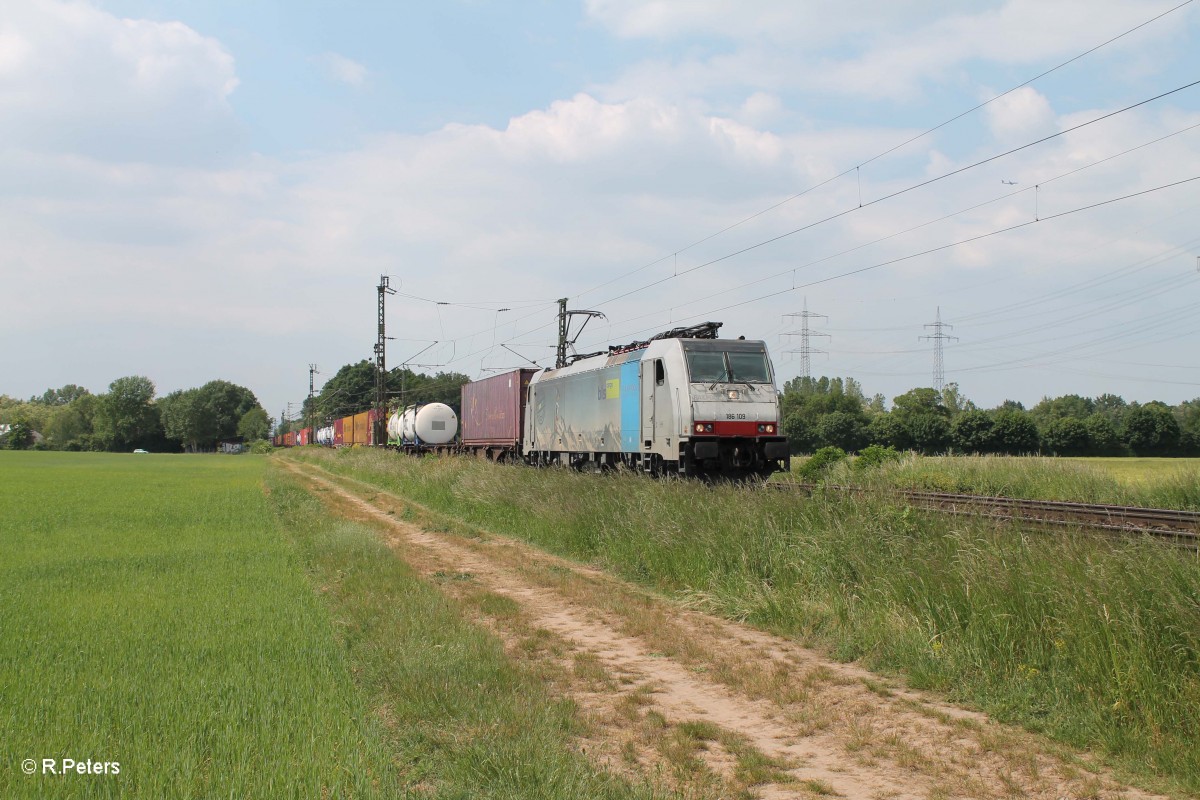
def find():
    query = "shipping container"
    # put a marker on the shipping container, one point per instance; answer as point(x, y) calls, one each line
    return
point(493, 410)
point(289, 439)
point(360, 429)
point(338, 432)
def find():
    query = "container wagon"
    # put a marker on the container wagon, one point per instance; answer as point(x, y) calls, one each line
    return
point(493, 414)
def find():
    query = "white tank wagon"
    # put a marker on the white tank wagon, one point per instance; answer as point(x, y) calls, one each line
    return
point(431, 424)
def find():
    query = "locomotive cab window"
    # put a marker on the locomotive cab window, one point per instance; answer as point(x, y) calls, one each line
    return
point(707, 367)
point(748, 367)
point(660, 373)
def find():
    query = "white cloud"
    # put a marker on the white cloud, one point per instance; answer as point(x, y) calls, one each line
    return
point(874, 50)
point(1021, 115)
point(799, 22)
point(342, 69)
point(76, 79)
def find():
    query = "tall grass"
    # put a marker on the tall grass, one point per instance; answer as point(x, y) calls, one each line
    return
point(1094, 641)
point(152, 615)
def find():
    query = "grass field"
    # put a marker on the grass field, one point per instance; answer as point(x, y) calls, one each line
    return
point(1093, 641)
point(1154, 482)
point(155, 617)
point(162, 613)
point(1143, 470)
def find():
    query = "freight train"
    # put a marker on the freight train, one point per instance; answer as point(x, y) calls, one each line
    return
point(683, 402)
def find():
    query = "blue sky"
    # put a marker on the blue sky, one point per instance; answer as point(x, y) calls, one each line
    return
point(426, 64)
point(200, 190)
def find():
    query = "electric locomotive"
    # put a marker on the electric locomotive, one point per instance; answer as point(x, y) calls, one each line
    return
point(683, 402)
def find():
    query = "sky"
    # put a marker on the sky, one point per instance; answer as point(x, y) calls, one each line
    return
point(192, 191)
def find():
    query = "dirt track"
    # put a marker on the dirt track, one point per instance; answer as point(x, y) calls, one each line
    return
point(706, 706)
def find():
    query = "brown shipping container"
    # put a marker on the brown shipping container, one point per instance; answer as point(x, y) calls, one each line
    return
point(493, 409)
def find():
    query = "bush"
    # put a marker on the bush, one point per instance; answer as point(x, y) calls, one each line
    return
point(874, 456)
point(823, 459)
point(262, 448)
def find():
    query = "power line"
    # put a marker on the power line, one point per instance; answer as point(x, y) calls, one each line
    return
point(857, 167)
point(1073, 352)
point(913, 228)
point(929, 251)
point(894, 195)
point(846, 172)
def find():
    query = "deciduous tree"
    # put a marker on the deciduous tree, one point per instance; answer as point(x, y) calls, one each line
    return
point(973, 432)
point(254, 424)
point(1016, 433)
point(1151, 430)
point(1066, 436)
point(126, 416)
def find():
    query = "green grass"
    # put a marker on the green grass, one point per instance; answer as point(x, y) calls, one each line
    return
point(1142, 470)
point(161, 612)
point(1094, 641)
point(1160, 483)
point(154, 616)
point(462, 719)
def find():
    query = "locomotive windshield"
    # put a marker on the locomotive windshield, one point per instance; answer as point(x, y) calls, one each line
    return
point(748, 367)
point(708, 367)
point(728, 367)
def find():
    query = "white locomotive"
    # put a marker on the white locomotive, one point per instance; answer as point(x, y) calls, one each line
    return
point(683, 402)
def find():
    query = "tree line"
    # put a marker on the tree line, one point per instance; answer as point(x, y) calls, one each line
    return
point(816, 412)
point(832, 412)
point(130, 416)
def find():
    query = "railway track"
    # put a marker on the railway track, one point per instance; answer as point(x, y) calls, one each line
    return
point(1182, 527)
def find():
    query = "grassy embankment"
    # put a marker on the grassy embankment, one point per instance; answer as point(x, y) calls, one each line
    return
point(158, 613)
point(1095, 642)
point(1153, 482)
